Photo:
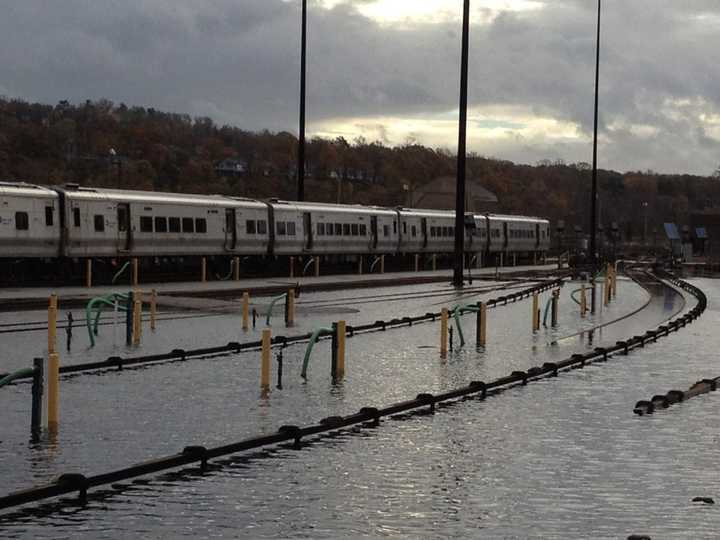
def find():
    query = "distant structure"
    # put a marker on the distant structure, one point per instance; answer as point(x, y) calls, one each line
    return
point(231, 167)
point(439, 194)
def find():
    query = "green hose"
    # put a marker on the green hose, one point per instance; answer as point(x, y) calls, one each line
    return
point(270, 308)
point(313, 339)
point(119, 272)
point(25, 372)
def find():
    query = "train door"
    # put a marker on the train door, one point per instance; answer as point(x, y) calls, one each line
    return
point(124, 228)
point(423, 231)
point(230, 229)
point(308, 232)
point(374, 231)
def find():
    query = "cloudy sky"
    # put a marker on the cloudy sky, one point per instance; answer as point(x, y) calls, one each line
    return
point(389, 70)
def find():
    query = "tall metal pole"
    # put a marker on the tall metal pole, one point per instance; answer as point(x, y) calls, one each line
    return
point(301, 140)
point(593, 202)
point(460, 184)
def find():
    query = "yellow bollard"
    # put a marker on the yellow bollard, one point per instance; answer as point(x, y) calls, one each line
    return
point(137, 321)
point(290, 307)
point(382, 264)
point(265, 360)
point(443, 333)
point(246, 311)
point(317, 266)
point(52, 323)
point(583, 301)
point(360, 265)
point(236, 268)
point(483, 325)
point(153, 309)
point(434, 261)
point(53, 403)
point(292, 266)
point(135, 272)
point(88, 273)
point(417, 262)
point(203, 270)
point(535, 313)
point(341, 348)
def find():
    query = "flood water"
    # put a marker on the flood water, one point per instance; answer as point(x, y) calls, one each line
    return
point(560, 458)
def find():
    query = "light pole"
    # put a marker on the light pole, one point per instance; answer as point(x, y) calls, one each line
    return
point(301, 136)
point(462, 130)
point(593, 216)
point(644, 205)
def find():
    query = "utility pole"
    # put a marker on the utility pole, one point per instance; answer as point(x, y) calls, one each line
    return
point(593, 216)
point(301, 138)
point(462, 136)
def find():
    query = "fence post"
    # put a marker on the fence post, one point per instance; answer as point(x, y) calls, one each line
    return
point(443, 332)
point(382, 264)
point(434, 261)
point(246, 311)
point(236, 268)
point(88, 273)
point(53, 391)
point(535, 313)
point(203, 269)
point(555, 298)
point(583, 301)
point(317, 266)
point(341, 348)
point(360, 265)
point(417, 262)
point(481, 324)
point(137, 320)
point(334, 352)
point(135, 272)
point(37, 392)
point(265, 360)
point(153, 308)
point(129, 309)
point(290, 308)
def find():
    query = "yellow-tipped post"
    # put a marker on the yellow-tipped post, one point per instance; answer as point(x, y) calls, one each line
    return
point(482, 336)
point(434, 261)
point(290, 308)
point(203, 270)
point(52, 323)
point(535, 313)
point(236, 268)
point(341, 349)
point(53, 403)
point(417, 262)
point(443, 333)
point(317, 266)
point(292, 266)
point(88, 273)
point(135, 272)
point(246, 311)
point(382, 264)
point(360, 265)
point(265, 360)
point(153, 309)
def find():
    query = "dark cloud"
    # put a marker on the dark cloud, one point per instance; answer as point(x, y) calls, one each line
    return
point(237, 61)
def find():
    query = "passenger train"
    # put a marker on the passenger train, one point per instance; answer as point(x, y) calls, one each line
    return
point(74, 222)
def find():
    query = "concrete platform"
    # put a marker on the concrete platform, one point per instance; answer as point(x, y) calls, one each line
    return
point(15, 298)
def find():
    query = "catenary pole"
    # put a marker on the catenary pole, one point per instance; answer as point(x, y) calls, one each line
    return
point(301, 138)
point(594, 195)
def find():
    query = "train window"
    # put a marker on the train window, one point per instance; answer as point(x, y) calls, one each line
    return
point(291, 228)
point(99, 223)
point(338, 229)
point(363, 229)
point(443, 231)
point(22, 221)
point(321, 229)
point(174, 224)
point(48, 216)
point(160, 224)
point(200, 225)
point(354, 229)
point(451, 230)
point(432, 231)
point(404, 227)
point(414, 231)
point(281, 229)
point(188, 225)
point(261, 226)
point(76, 217)
point(146, 224)
point(394, 227)
point(346, 229)
point(250, 226)
point(386, 230)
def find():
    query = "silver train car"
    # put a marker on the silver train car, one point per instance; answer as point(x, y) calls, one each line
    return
point(81, 222)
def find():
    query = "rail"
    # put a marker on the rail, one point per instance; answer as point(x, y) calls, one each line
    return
point(80, 483)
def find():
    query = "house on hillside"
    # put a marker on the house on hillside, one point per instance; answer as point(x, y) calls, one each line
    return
point(439, 194)
point(232, 167)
